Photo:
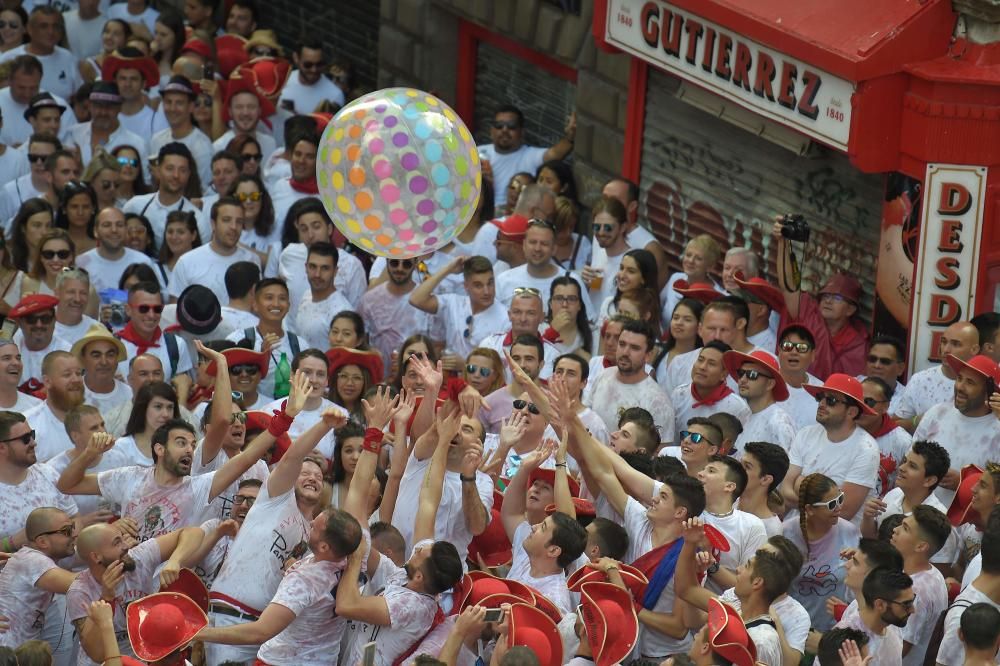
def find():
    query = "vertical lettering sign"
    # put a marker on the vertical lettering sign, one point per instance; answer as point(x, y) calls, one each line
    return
point(950, 232)
point(763, 80)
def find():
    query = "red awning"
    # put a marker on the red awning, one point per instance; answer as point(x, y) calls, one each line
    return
point(855, 39)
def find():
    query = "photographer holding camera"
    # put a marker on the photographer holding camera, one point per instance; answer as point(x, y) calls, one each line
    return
point(841, 338)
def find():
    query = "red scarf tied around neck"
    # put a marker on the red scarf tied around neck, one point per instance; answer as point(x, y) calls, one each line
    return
point(717, 394)
point(129, 334)
point(305, 186)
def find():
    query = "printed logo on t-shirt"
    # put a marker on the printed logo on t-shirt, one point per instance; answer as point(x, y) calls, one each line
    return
point(820, 582)
point(281, 550)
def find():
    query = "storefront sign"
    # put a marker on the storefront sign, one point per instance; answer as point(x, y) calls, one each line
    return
point(945, 285)
point(769, 82)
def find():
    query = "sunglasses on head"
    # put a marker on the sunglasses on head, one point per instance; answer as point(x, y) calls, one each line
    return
point(520, 291)
point(405, 263)
point(606, 228)
point(144, 309)
point(880, 360)
point(484, 371)
point(506, 124)
point(43, 319)
point(52, 254)
point(532, 407)
point(832, 504)
point(24, 439)
point(128, 161)
point(248, 196)
point(244, 369)
point(800, 347)
point(696, 437)
point(830, 399)
point(35, 157)
point(545, 224)
point(752, 375)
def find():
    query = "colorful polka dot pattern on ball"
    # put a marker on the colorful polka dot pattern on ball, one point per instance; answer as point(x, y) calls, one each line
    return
point(399, 173)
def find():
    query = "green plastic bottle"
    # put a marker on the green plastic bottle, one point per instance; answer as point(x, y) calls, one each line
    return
point(282, 377)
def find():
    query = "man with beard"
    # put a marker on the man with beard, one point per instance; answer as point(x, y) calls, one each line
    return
point(610, 236)
point(307, 87)
point(62, 377)
point(119, 575)
point(36, 322)
point(322, 301)
point(302, 181)
point(206, 265)
point(100, 353)
point(220, 533)
point(178, 103)
point(166, 497)
point(73, 292)
point(10, 378)
point(389, 316)
point(26, 484)
point(104, 130)
point(970, 431)
point(174, 165)
point(881, 608)
point(246, 107)
point(276, 528)
point(627, 384)
point(762, 387)
point(106, 262)
point(526, 351)
point(893, 441)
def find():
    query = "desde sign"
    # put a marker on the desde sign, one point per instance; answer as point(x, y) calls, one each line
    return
point(769, 82)
point(945, 285)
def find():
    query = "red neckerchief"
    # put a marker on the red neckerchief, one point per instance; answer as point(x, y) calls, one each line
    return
point(887, 426)
point(508, 339)
point(200, 394)
point(305, 186)
point(607, 362)
point(131, 335)
point(551, 334)
point(717, 394)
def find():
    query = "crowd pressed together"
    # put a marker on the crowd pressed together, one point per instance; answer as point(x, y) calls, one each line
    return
point(229, 437)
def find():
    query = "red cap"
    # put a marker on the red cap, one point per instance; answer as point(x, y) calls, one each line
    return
point(763, 290)
point(961, 511)
point(584, 508)
point(610, 621)
point(533, 629)
point(845, 385)
point(734, 360)
point(241, 356)
point(727, 635)
point(981, 365)
point(368, 360)
point(700, 291)
point(31, 304)
point(161, 623)
point(513, 225)
point(190, 586)
point(549, 476)
point(843, 285)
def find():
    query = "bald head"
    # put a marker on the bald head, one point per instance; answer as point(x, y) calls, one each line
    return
point(93, 538)
point(960, 339)
point(535, 198)
point(44, 519)
point(190, 66)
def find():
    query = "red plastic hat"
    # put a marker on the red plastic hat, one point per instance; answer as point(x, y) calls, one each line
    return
point(145, 65)
point(544, 604)
point(727, 635)
point(195, 45)
point(514, 225)
point(763, 290)
point(31, 304)
point(368, 360)
point(492, 545)
point(584, 508)
point(734, 360)
point(549, 476)
point(845, 385)
point(981, 365)
point(161, 623)
point(230, 53)
point(486, 585)
point(716, 539)
point(961, 510)
point(190, 586)
point(610, 621)
point(131, 661)
point(257, 420)
point(242, 82)
point(322, 120)
point(843, 285)
point(240, 356)
point(700, 291)
point(634, 579)
point(269, 75)
point(533, 629)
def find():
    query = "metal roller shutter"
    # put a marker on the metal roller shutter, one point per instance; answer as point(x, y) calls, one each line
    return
point(701, 174)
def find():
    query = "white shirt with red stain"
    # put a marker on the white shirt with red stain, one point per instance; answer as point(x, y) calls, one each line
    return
point(156, 509)
point(37, 490)
point(970, 440)
point(924, 390)
point(21, 602)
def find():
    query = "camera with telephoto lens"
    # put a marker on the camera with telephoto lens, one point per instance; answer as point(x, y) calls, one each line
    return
point(795, 227)
point(118, 318)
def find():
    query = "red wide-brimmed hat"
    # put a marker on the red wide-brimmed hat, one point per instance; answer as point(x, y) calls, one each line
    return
point(533, 629)
point(485, 585)
point(727, 635)
point(245, 81)
point(961, 510)
point(230, 53)
point(512, 225)
point(700, 291)
point(162, 623)
point(549, 476)
point(492, 545)
point(610, 621)
point(634, 579)
point(241, 356)
point(734, 360)
point(763, 290)
point(191, 586)
point(145, 65)
point(584, 508)
point(31, 304)
point(845, 385)
point(981, 365)
point(269, 75)
point(368, 360)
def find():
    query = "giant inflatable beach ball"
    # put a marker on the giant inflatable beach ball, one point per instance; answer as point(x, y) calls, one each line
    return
point(399, 173)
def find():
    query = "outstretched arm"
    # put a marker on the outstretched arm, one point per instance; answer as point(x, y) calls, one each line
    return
point(271, 622)
point(423, 297)
point(787, 280)
point(222, 404)
point(512, 513)
point(75, 480)
point(430, 491)
point(400, 453)
point(561, 492)
point(685, 577)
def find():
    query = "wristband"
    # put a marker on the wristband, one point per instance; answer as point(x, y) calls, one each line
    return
point(466, 479)
point(280, 422)
point(455, 386)
point(373, 440)
point(561, 465)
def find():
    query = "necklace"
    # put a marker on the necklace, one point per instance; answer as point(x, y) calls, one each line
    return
point(723, 515)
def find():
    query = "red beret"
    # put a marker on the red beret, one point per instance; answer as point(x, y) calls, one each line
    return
point(33, 303)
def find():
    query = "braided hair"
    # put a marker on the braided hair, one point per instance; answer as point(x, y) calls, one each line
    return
point(812, 489)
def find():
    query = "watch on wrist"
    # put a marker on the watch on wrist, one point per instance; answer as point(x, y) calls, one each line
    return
point(713, 569)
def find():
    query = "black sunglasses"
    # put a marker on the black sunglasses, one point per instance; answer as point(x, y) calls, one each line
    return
point(830, 399)
point(66, 531)
point(35, 157)
point(871, 402)
point(24, 439)
point(52, 254)
point(880, 360)
point(752, 375)
point(244, 369)
point(144, 309)
point(532, 407)
point(405, 263)
point(251, 157)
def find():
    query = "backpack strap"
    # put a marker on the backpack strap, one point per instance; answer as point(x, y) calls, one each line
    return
point(293, 344)
point(937, 633)
point(170, 340)
point(251, 335)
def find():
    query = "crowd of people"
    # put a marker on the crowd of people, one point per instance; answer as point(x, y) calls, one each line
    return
point(227, 436)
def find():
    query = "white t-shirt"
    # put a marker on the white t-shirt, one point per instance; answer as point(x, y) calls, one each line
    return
point(309, 591)
point(146, 122)
point(156, 509)
point(223, 502)
point(822, 574)
point(50, 432)
point(161, 351)
point(683, 401)
point(771, 424)
point(552, 587)
point(924, 390)
point(128, 447)
point(454, 313)
point(390, 319)
point(306, 97)
point(607, 396)
point(111, 459)
point(206, 267)
point(764, 635)
point(854, 460)
point(932, 598)
point(15, 192)
point(273, 530)
point(350, 280)
point(22, 603)
point(894, 505)
point(147, 17)
point(952, 650)
point(37, 490)
point(104, 402)
point(81, 136)
point(31, 361)
point(506, 165)
point(887, 649)
point(201, 149)
point(509, 280)
point(313, 318)
point(800, 405)
point(745, 533)
point(105, 273)
point(83, 35)
point(60, 73)
point(970, 440)
point(74, 331)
